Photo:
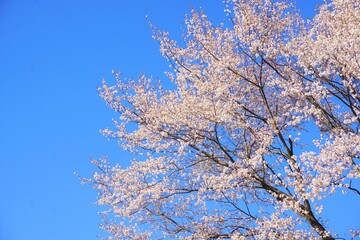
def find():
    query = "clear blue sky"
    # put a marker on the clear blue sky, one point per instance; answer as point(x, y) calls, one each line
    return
point(53, 54)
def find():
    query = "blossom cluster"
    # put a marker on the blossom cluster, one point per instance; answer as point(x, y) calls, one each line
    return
point(218, 156)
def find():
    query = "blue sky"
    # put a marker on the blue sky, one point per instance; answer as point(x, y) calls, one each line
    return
point(53, 55)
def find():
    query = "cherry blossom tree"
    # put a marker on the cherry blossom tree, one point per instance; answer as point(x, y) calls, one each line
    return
point(263, 123)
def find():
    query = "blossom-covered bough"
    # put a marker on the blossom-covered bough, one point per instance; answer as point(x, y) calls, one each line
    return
point(263, 123)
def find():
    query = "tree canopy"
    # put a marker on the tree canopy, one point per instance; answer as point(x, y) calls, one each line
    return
point(263, 123)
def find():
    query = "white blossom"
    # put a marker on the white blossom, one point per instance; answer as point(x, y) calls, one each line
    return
point(219, 157)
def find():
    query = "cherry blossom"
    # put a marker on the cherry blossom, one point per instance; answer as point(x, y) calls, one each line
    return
point(263, 123)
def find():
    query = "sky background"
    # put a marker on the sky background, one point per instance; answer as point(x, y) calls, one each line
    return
point(53, 55)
